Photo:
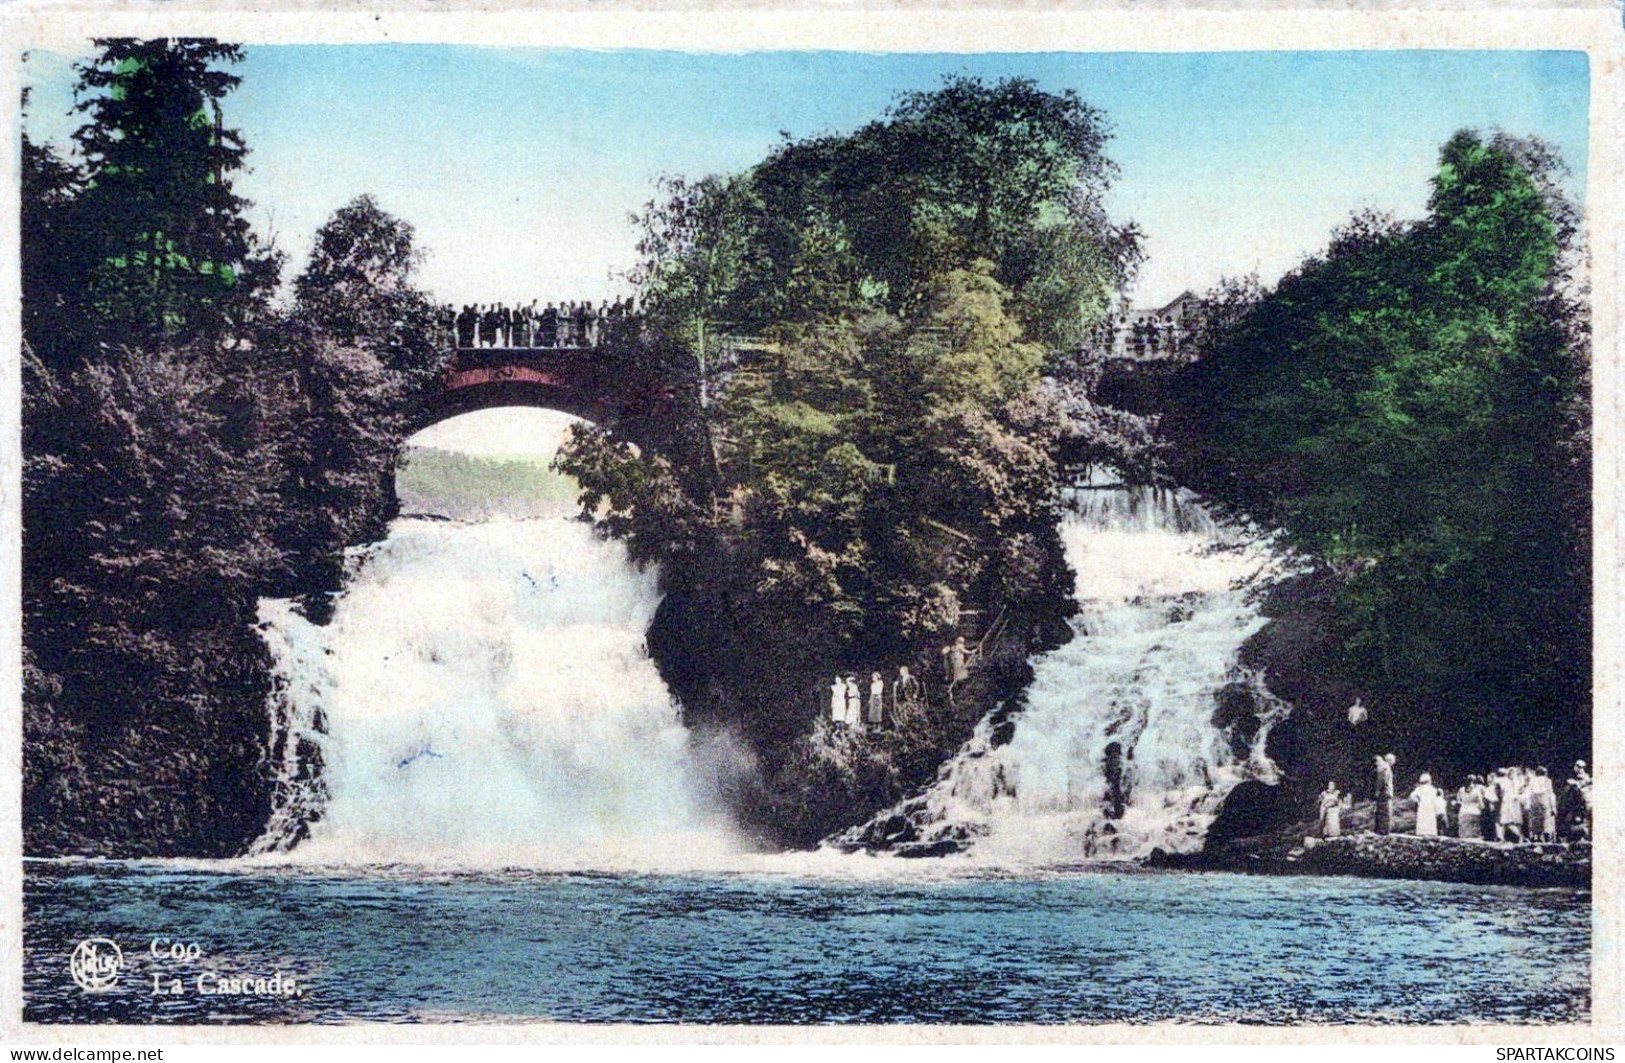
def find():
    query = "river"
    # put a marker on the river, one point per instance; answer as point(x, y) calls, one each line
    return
point(817, 940)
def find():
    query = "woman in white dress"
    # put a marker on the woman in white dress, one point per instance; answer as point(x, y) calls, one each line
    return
point(1331, 811)
point(854, 704)
point(1510, 822)
point(1429, 803)
point(837, 701)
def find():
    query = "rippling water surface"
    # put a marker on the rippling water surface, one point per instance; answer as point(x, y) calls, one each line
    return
point(797, 947)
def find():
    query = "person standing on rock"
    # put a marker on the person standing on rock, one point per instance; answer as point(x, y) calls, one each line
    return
point(905, 690)
point(1542, 807)
point(1490, 818)
point(1509, 821)
point(1574, 810)
point(854, 704)
point(1470, 809)
point(837, 702)
point(1331, 811)
point(957, 663)
point(1383, 813)
point(877, 700)
point(1429, 803)
point(1357, 713)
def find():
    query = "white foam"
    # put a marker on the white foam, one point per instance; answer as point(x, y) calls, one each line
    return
point(482, 691)
point(1165, 608)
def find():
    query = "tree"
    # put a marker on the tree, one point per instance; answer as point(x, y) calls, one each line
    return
point(52, 262)
point(170, 256)
point(358, 289)
point(1407, 409)
point(188, 449)
point(695, 248)
point(857, 330)
point(1007, 174)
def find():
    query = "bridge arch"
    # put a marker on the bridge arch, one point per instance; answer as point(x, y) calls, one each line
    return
point(579, 382)
point(447, 403)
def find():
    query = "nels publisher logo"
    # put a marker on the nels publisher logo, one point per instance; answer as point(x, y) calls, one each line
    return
point(95, 964)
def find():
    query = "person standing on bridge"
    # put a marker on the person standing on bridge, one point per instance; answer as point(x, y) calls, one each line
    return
point(466, 322)
point(547, 329)
point(521, 328)
point(589, 328)
point(577, 324)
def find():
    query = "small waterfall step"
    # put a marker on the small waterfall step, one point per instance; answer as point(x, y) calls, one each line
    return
point(1134, 731)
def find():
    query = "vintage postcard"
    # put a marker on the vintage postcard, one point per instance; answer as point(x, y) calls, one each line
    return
point(1069, 523)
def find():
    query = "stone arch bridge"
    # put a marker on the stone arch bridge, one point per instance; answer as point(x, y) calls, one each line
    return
point(583, 381)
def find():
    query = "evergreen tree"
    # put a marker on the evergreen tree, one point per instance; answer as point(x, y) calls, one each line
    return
point(173, 476)
point(169, 256)
point(53, 261)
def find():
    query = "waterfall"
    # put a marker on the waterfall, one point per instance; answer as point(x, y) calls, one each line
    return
point(482, 692)
point(1131, 735)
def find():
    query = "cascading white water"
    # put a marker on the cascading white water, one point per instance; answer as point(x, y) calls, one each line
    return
point(483, 692)
point(1164, 613)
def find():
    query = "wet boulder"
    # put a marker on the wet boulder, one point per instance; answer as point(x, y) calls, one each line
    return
point(1252, 808)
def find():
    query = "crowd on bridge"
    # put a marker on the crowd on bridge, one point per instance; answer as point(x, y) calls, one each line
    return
point(528, 326)
point(1510, 805)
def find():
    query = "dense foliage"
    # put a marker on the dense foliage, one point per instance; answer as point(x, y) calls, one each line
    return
point(189, 447)
point(1411, 409)
point(873, 471)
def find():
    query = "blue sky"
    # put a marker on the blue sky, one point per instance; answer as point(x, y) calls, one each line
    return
point(519, 166)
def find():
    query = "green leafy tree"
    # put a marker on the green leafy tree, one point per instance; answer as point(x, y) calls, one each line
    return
point(856, 331)
point(350, 359)
point(1410, 409)
point(358, 289)
point(1009, 174)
